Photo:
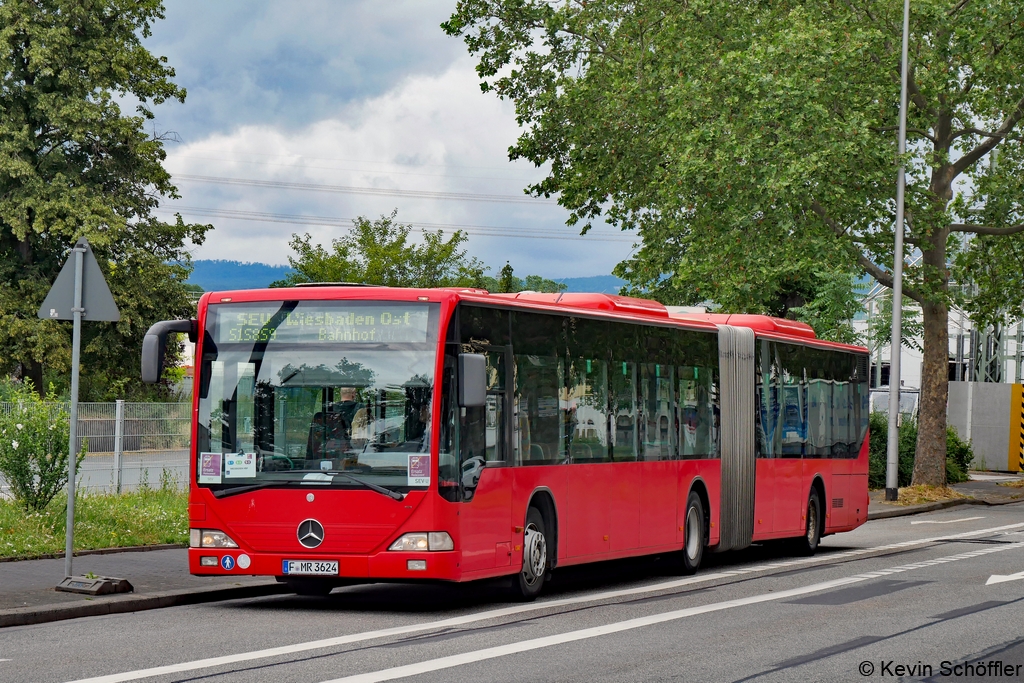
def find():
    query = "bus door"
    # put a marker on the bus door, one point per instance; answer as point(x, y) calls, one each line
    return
point(485, 480)
point(789, 445)
point(767, 431)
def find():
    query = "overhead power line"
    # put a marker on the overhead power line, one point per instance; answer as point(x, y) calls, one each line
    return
point(304, 166)
point(378, 191)
point(328, 221)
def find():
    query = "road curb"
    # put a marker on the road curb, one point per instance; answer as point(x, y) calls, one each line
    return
point(26, 616)
point(99, 551)
point(931, 507)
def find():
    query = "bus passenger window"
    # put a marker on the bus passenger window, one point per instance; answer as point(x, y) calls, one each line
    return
point(539, 408)
point(696, 413)
point(658, 411)
point(588, 410)
point(623, 416)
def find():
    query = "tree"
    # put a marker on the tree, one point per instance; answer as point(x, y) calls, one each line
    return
point(747, 142)
point(507, 281)
point(72, 164)
point(379, 252)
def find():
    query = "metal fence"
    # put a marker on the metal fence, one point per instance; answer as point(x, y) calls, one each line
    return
point(129, 444)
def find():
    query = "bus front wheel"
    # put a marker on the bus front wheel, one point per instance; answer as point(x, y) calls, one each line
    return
point(528, 583)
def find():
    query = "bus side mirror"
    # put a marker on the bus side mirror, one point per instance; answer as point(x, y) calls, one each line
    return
point(155, 342)
point(472, 380)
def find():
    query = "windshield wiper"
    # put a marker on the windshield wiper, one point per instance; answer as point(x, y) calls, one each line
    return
point(235, 490)
point(373, 487)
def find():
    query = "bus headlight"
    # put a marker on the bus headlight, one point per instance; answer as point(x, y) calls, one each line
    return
point(209, 538)
point(420, 541)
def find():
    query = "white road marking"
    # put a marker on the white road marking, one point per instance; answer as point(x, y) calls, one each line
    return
point(945, 521)
point(630, 624)
point(210, 662)
point(1002, 578)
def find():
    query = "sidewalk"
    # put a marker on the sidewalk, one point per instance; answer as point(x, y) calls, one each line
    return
point(983, 488)
point(161, 578)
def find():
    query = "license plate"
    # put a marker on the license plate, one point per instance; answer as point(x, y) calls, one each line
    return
point(311, 567)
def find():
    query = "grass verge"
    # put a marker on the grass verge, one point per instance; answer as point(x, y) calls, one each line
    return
point(917, 495)
point(145, 517)
point(1019, 484)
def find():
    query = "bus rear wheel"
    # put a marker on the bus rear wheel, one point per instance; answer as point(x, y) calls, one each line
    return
point(529, 582)
point(808, 543)
point(694, 541)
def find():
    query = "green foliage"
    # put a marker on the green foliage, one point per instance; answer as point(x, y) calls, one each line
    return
point(73, 164)
point(379, 253)
point(832, 307)
point(507, 282)
point(958, 453)
point(145, 517)
point(34, 447)
point(879, 430)
point(880, 325)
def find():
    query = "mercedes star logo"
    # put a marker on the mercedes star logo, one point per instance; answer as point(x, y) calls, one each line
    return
point(311, 533)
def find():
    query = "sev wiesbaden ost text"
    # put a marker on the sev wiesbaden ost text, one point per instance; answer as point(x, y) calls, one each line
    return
point(992, 669)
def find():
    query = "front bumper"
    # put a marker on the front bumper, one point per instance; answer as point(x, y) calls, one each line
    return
point(442, 565)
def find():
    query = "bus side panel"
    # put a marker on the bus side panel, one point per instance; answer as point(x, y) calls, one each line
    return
point(837, 496)
point(858, 495)
point(792, 486)
point(527, 480)
point(591, 495)
point(624, 504)
point(764, 498)
point(658, 494)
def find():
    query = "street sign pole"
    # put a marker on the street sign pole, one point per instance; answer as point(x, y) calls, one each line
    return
point(892, 490)
point(76, 348)
point(79, 293)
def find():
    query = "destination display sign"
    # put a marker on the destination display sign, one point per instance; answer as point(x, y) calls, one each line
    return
point(320, 322)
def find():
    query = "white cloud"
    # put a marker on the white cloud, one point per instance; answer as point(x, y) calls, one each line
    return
point(429, 132)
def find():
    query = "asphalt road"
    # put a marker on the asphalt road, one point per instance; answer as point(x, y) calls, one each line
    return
point(908, 591)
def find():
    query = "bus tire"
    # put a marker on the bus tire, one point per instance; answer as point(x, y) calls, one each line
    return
point(529, 582)
point(694, 541)
point(808, 543)
point(318, 588)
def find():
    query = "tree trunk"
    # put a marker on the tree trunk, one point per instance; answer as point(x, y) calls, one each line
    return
point(930, 457)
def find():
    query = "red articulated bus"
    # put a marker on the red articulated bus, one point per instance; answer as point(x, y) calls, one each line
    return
point(347, 434)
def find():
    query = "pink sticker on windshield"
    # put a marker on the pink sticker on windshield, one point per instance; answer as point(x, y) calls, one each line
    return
point(419, 470)
point(210, 468)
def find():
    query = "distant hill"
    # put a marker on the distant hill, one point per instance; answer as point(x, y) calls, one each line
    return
point(601, 284)
point(222, 275)
point(218, 275)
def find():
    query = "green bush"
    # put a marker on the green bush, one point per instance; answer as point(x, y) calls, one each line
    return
point(958, 453)
point(34, 447)
point(958, 457)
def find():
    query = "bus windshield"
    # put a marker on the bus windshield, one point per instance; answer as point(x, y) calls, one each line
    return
point(293, 391)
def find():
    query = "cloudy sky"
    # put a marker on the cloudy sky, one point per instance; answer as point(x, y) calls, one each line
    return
point(302, 115)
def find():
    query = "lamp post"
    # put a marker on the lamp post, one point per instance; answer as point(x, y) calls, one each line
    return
point(892, 449)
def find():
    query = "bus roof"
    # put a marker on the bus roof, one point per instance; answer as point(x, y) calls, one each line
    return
point(625, 306)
